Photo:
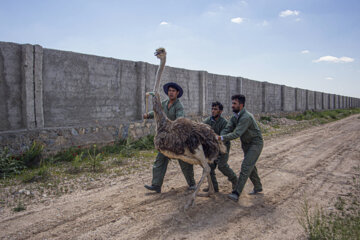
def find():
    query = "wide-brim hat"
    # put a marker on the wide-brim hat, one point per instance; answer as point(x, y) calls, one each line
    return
point(174, 85)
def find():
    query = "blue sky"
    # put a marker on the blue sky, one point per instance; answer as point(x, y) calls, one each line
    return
point(311, 44)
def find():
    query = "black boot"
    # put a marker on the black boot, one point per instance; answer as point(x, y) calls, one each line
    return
point(153, 188)
point(255, 191)
point(234, 196)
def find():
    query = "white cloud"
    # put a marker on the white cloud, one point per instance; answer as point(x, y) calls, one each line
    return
point(334, 59)
point(215, 10)
point(265, 23)
point(305, 51)
point(329, 78)
point(287, 13)
point(346, 59)
point(244, 3)
point(164, 23)
point(237, 20)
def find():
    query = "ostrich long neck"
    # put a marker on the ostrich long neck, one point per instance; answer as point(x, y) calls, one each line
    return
point(159, 73)
point(160, 117)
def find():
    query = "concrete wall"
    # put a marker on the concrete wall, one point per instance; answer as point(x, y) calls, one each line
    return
point(254, 94)
point(81, 89)
point(325, 97)
point(11, 112)
point(341, 102)
point(318, 101)
point(288, 99)
point(331, 101)
point(218, 90)
point(44, 89)
point(336, 101)
point(310, 100)
point(271, 97)
point(301, 99)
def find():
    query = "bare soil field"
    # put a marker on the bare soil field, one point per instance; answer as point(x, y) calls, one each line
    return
point(317, 164)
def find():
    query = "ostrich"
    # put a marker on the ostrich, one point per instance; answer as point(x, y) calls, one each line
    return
point(189, 141)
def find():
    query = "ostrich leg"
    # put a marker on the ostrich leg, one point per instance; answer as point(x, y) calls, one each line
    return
point(199, 154)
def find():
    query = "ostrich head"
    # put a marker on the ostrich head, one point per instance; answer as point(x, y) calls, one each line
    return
point(161, 54)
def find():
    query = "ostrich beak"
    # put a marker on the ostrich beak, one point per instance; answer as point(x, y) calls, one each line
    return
point(156, 53)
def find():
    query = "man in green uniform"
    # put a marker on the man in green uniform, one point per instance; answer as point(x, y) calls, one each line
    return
point(243, 125)
point(218, 123)
point(173, 109)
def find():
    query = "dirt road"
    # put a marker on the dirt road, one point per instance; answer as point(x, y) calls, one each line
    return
point(317, 163)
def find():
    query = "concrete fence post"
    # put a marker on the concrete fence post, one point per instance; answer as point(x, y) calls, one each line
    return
point(282, 104)
point(240, 86)
point(263, 102)
point(203, 92)
point(306, 100)
point(141, 87)
point(27, 79)
point(228, 96)
point(296, 100)
point(38, 84)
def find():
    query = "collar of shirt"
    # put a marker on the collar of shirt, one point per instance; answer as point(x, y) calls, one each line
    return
point(167, 103)
point(214, 120)
point(237, 115)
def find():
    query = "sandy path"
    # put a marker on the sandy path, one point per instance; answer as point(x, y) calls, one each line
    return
point(317, 163)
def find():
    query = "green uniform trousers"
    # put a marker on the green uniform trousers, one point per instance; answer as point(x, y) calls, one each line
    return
point(224, 167)
point(248, 168)
point(160, 166)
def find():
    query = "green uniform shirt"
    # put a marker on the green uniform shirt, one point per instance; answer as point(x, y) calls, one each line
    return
point(243, 125)
point(175, 111)
point(218, 126)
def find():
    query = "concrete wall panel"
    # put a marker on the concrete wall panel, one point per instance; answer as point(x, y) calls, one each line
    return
point(331, 101)
point(81, 89)
point(300, 99)
point(289, 99)
point(10, 86)
point(318, 101)
point(310, 100)
point(272, 96)
point(217, 90)
point(336, 101)
point(325, 101)
point(341, 102)
point(253, 93)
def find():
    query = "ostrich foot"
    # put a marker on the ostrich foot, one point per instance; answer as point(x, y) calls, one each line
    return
point(190, 202)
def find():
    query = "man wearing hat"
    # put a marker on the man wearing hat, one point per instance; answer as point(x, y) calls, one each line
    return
point(173, 109)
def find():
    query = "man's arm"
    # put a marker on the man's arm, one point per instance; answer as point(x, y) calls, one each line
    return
point(228, 128)
point(150, 115)
point(222, 127)
point(241, 127)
